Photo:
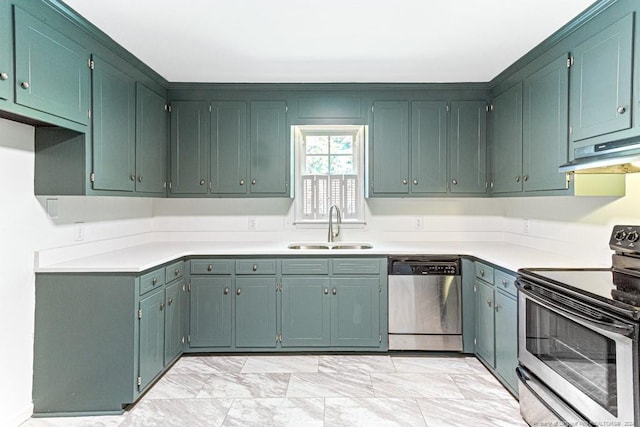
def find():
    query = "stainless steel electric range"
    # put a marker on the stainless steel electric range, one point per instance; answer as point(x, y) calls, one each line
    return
point(578, 333)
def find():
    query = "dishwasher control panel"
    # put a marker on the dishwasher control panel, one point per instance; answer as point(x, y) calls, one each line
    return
point(423, 267)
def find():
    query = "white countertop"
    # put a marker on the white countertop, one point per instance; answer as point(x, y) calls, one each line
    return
point(139, 258)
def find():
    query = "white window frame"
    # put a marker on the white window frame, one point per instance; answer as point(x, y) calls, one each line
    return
point(305, 188)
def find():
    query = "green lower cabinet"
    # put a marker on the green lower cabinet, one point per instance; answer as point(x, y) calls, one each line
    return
point(210, 317)
point(173, 328)
point(485, 336)
point(355, 312)
point(255, 315)
point(151, 349)
point(506, 339)
point(306, 312)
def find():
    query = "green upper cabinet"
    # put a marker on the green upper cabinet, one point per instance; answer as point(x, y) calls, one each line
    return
point(151, 350)
point(189, 147)
point(151, 141)
point(114, 117)
point(255, 315)
point(468, 147)
point(229, 148)
point(506, 162)
point(6, 53)
point(389, 156)
point(52, 71)
point(545, 127)
point(428, 147)
point(270, 167)
point(601, 83)
point(306, 313)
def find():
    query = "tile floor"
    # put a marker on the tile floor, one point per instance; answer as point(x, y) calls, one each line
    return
point(317, 390)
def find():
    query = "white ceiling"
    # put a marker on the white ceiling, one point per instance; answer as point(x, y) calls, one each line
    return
point(329, 40)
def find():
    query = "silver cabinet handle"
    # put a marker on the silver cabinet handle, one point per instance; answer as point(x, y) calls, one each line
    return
point(253, 182)
point(488, 302)
point(24, 85)
point(210, 267)
point(326, 291)
point(517, 179)
point(170, 301)
point(154, 281)
point(525, 178)
point(497, 307)
point(4, 76)
point(161, 306)
point(176, 272)
point(238, 291)
point(242, 182)
point(202, 182)
point(226, 291)
point(255, 267)
point(139, 179)
point(334, 291)
point(454, 181)
point(404, 181)
point(415, 182)
point(132, 177)
point(481, 273)
point(504, 283)
point(621, 110)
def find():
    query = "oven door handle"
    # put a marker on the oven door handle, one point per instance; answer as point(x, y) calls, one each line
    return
point(612, 326)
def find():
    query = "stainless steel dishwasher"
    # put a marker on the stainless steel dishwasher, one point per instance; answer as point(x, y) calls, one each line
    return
point(425, 303)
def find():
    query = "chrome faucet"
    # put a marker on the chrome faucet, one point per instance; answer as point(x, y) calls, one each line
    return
point(338, 222)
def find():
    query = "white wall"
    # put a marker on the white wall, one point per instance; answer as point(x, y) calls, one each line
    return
point(25, 228)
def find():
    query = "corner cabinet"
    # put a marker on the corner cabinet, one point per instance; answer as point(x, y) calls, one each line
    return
point(118, 330)
point(51, 70)
point(6, 52)
point(496, 311)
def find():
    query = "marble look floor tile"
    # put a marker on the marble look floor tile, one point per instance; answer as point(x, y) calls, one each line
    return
point(99, 421)
point(433, 365)
point(326, 384)
point(280, 364)
point(466, 412)
point(353, 364)
point(209, 364)
point(483, 387)
point(178, 412)
point(308, 412)
point(178, 386)
point(368, 412)
point(477, 365)
point(245, 385)
point(415, 385)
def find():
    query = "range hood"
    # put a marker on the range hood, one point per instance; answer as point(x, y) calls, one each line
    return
point(606, 158)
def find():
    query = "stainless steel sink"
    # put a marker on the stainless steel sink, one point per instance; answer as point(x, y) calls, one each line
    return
point(326, 246)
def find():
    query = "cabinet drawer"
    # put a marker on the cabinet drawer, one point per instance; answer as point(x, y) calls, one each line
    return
point(505, 282)
point(152, 280)
point(211, 266)
point(174, 271)
point(305, 266)
point(355, 266)
point(256, 266)
point(484, 272)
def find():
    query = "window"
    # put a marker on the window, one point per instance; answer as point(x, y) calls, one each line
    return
point(329, 172)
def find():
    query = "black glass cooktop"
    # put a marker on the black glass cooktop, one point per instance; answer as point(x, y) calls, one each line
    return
point(601, 287)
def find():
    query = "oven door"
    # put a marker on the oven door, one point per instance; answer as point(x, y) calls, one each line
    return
point(586, 361)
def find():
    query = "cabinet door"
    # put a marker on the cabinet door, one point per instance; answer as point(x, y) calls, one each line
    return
point(390, 148)
point(210, 318)
point(506, 318)
point(255, 312)
point(114, 115)
point(6, 54)
point(545, 127)
point(173, 330)
point(189, 147)
point(151, 141)
point(229, 148)
point(151, 351)
point(506, 163)
point(428, 147)
point(601, 82)
point(355, 312)
point(306, 312)
point(484, 323)
point(468, 147)
point(52, 72)
point(270, 158)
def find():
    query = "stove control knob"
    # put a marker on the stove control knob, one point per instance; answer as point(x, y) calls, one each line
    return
point(633, 236)
point(620, 235)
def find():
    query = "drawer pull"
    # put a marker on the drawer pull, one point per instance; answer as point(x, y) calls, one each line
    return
point(255, 267)
point(4, 76)
point(154, 281)
point(505, 283)
point(176, 272)
point(210, 267)
point(481, 273)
